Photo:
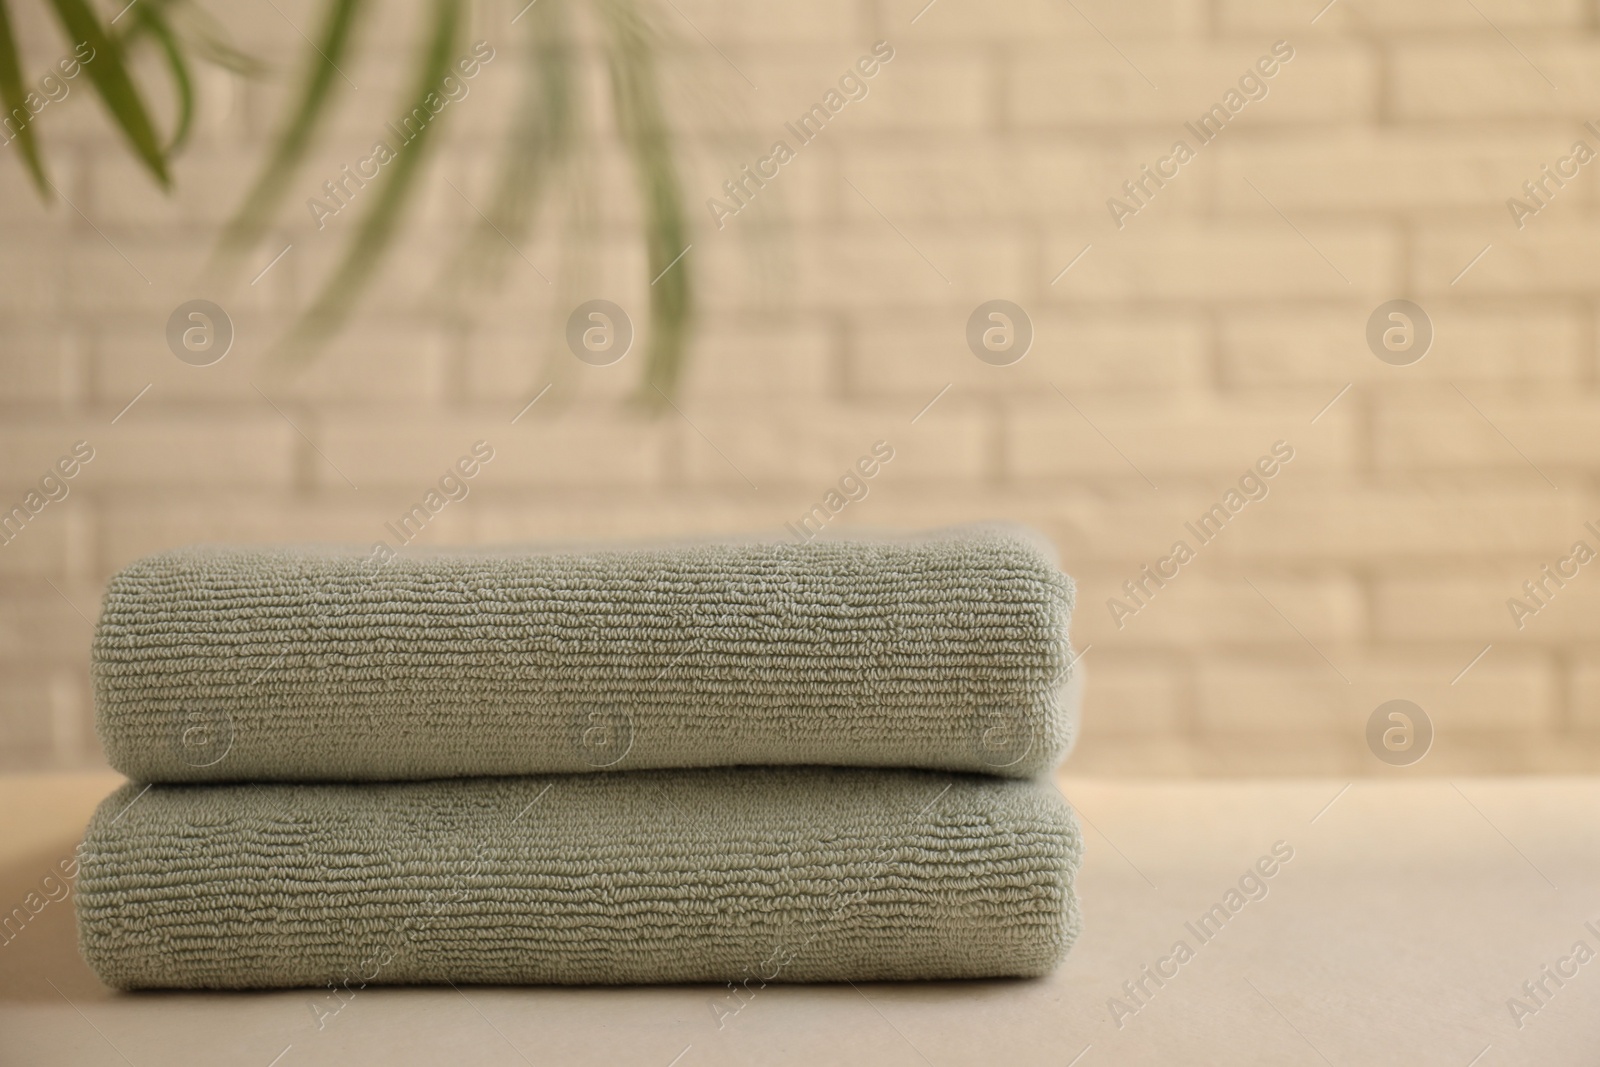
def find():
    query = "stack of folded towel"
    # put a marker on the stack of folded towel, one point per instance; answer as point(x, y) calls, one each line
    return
point(702, 762)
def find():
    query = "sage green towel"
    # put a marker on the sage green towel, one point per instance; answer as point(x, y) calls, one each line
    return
point(947, 650)
point(726, 875)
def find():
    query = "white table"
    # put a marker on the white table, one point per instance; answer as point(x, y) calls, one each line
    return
point(1412, 910)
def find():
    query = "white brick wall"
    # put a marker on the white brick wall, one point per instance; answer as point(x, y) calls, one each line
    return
point(1219, 319)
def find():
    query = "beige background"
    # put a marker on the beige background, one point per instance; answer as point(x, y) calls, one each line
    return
point(1224, 317)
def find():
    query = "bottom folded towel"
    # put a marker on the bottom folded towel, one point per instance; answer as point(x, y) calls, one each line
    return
point(736, 874)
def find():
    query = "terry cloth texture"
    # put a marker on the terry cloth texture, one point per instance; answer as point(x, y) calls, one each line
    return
point(727, 874)
point(947, 651)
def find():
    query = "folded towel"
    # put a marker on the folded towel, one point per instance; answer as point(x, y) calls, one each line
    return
point(944, 651)
point(727, 874)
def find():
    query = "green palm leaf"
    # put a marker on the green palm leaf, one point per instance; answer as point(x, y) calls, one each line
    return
point(150, 18)
point(261, 203)
point(15, 98)
point(644, 129)
point(111, 80)
point(378, 227)
point(209, 40)
point(539, 138)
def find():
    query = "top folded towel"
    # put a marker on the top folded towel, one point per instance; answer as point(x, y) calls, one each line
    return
point(947, 650)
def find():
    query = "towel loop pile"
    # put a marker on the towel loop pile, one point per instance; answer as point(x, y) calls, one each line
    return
point(693, 762)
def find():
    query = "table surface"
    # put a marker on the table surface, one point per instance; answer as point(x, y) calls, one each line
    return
point(1411, 913)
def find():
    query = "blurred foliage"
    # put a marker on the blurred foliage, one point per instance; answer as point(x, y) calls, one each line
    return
point(542, 135)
